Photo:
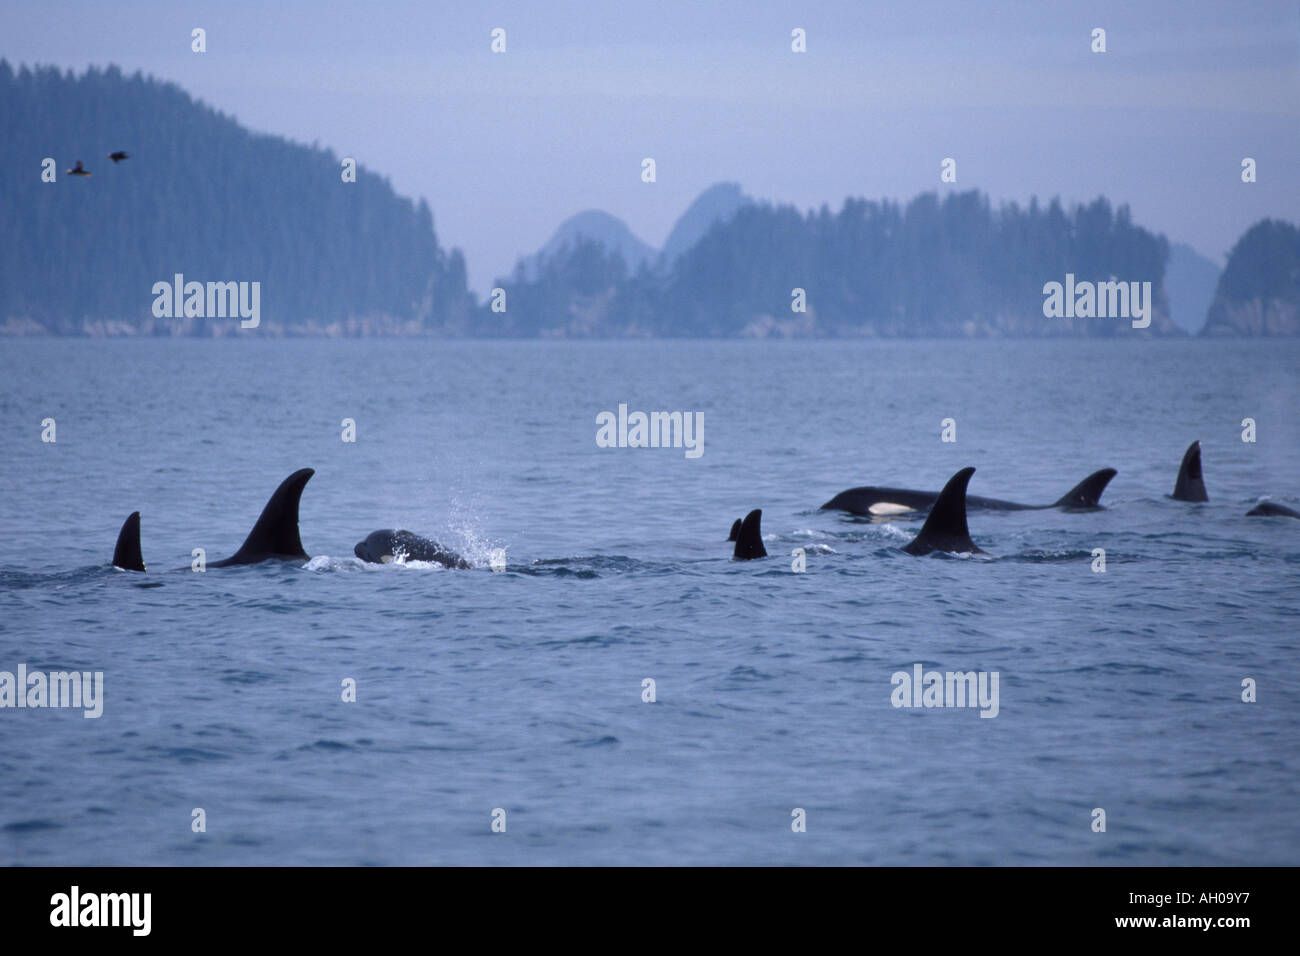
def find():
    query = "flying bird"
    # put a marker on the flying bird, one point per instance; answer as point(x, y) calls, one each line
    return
point(77, 170)
point(118, 156)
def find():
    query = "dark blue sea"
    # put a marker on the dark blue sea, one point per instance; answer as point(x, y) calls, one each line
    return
point(521, 690)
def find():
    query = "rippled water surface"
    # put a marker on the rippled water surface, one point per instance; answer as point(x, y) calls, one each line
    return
point(522, 690)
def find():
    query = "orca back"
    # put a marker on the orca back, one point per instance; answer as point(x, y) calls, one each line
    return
point(1273, 510)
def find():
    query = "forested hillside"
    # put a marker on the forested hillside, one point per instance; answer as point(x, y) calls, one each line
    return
point(951, 266)
point(1259, 291)
point(201, 196)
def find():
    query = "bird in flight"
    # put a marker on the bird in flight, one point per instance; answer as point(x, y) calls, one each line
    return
point(77, 170)
point(118, 156)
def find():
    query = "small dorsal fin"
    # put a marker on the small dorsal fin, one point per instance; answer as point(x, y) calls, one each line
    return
point(735, 530)
point(276, 533)
point(945, 528)
point(749, 540)
point(127, 554)
point(1087, 493)
point(1190, 485)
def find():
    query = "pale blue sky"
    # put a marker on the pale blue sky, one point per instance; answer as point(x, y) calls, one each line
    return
point(505, 147)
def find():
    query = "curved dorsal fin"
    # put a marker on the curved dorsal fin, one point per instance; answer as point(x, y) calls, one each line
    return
point(735, 530)
point(276, 533)
point(749, 540)
point(1087, 493)
point(127, 554)
point(1190, 485)
point(945, 528)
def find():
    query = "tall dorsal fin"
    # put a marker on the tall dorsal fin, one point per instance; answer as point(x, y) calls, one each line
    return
point(127, 554)
point(945, 528)
point(276, 533)
point(1087, 493)
point(749, 542)
point(735, 530)
point(1190, 485)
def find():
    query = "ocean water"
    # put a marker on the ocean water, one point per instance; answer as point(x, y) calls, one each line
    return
point(522, 690)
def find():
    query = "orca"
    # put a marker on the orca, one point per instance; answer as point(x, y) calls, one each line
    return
point(382, 547)
point(1190, 485)
point(1272, 509)
point(749, 539)
point(945, 527)
point(875, 502)
point(735, 530)
point(127, 554)
point(275, 536)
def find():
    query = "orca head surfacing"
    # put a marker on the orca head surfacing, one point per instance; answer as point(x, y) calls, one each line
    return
point(749, 540)
point(127, 554)
point(1190, 485)
point(275, 536)
point(387, 545)
point(945, 528)
point(735, 530)
point(376, 547)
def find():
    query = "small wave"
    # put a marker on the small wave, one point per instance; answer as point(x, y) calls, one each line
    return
point(31, 826)
point(1043, 556)
point(327, 746)
point(323, 562)
point(401, 561)
point(812, 533)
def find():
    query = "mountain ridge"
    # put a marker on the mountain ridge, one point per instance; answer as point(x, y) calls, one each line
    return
point(206, 198)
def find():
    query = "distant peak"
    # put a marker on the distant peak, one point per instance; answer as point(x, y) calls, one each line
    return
point(717, 204)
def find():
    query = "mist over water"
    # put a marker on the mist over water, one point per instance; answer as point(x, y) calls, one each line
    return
point(522, 689)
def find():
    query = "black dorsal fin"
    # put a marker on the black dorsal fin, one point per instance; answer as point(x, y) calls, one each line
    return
point(1190, 485)
point(945, 528)
point(276, 533)
point(749, 541)
point(1087, 493)
point(127, 554)
point(735, 530)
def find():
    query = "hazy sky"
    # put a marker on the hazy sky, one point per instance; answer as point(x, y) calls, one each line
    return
point(506, 146)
